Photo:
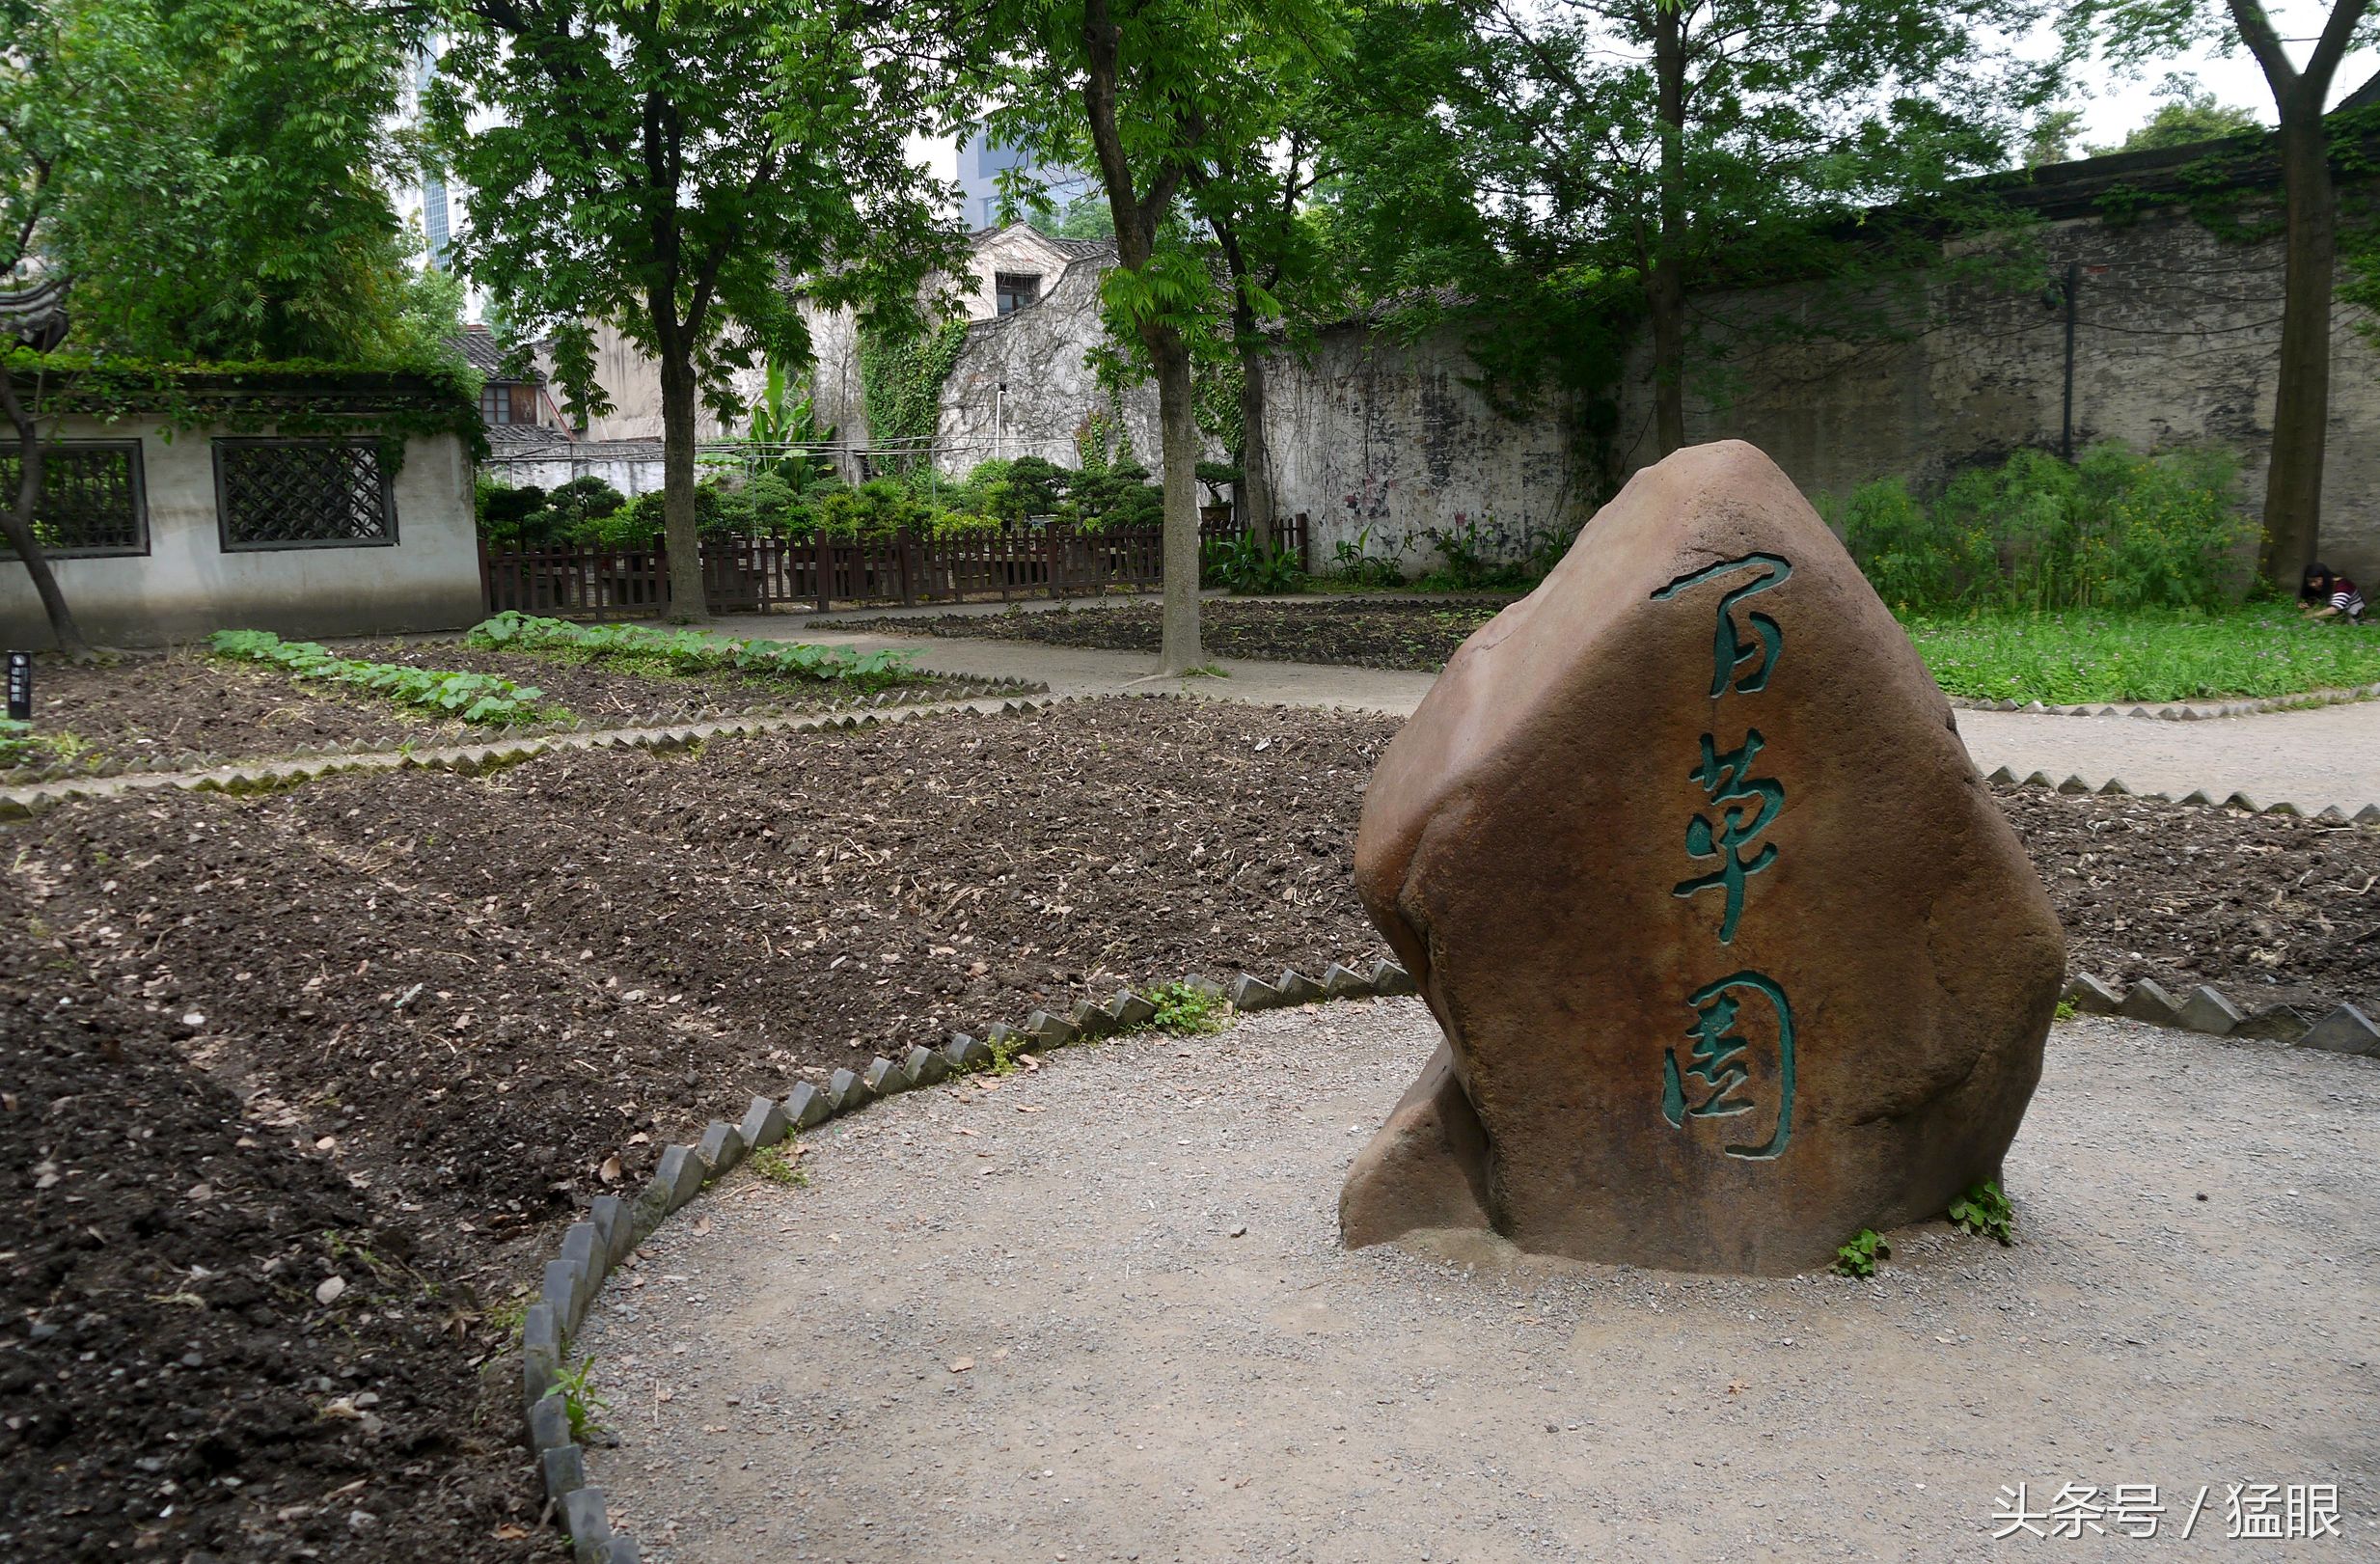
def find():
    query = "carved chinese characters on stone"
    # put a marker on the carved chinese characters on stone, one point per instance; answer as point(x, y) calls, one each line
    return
point(1733, 953)
point(1769, 570)
point(1716, 1061)
point(1745, 806)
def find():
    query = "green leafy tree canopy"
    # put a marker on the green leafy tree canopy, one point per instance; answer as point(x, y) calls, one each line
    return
point(687, 175)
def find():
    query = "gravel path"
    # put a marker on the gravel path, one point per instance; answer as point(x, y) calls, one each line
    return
point(1099, 1311)
point(2313, 758)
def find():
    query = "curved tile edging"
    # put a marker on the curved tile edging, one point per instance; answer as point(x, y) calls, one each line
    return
point(592, 1249)
point(470, 760)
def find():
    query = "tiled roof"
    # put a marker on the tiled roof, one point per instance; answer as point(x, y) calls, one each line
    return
point(1071, 249)
point(481, 350)
point(535, 442)
point(526, 439)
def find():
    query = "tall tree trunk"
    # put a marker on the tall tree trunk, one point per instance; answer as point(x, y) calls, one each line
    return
point(2302, 398)
point(1256, 504)
point(2302, 395)
point(1136, 241)
point(16, 523)
point(681, 534)
point(1665, 287)
point(1178, 435)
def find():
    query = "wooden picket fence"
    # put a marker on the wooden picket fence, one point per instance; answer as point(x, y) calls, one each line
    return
point(755, 574)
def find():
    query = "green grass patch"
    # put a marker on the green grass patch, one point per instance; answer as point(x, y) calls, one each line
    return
point(641, 649)
point(2082, 656)
point(475, 697)
point(781, 1163)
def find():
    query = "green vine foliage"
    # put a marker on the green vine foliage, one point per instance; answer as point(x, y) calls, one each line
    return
point(901, 382)
point(1215, 399)
point(2233, 191)
point(296, 398)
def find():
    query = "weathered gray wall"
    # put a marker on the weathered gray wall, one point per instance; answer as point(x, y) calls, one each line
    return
point(187, 585)
point(2177, 336)
point(838, 399)
point(1038, 356)
point(630, 382)
point(1371, 435)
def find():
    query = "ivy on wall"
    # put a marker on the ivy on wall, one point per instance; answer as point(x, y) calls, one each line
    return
point(291, 398)
point(901, 382)
point(1215, 400)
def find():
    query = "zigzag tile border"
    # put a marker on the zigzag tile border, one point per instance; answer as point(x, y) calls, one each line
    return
point(2180, 711)
point(953, 689)
point(2205, 1009)
point(470, 760)
point(592, 1249)
point(2330, 813)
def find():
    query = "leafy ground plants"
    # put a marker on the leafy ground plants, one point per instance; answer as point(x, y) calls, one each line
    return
point(473, 697)
point(2110, 530)
point(575, 1383)
point(1186, 1009)
point(22, 745)
point(1985, 1211)
point(641, 649)
point(1244, 567)
point(1859, 1257)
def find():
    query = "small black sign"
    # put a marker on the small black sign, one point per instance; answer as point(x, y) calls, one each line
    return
point(20, 686)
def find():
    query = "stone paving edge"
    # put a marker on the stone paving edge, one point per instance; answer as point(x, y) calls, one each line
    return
point(592, 1249)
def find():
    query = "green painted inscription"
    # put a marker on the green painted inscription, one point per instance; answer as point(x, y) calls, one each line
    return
point(1728, 779)
point(1716, 1062)
point(1732, 651)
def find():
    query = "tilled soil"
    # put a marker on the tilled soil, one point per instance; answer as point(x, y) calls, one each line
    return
point(487, 987)
point(185, 706)
point(496, 996)
point(2273, 910)
point(1417, 636)
point(175, 1376)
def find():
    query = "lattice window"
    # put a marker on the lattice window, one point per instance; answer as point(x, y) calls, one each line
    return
point(302, 494)
point(91, 498)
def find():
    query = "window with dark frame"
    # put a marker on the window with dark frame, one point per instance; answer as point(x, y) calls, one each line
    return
point(1013, 290)
point(509, 402)
point(302, 494)
point(93, 500)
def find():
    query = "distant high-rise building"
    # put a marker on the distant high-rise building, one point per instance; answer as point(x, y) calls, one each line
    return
point(981, 162)
point(434, 229)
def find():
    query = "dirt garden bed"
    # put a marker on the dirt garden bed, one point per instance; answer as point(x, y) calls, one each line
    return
point(461, 1007)
point(97, 720)
point(1418, 636)
point(171, 1380)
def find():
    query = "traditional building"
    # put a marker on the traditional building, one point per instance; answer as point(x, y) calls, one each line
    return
point(302, 502)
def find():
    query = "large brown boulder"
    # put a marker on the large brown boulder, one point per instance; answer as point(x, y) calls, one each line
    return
point(1733, 952)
